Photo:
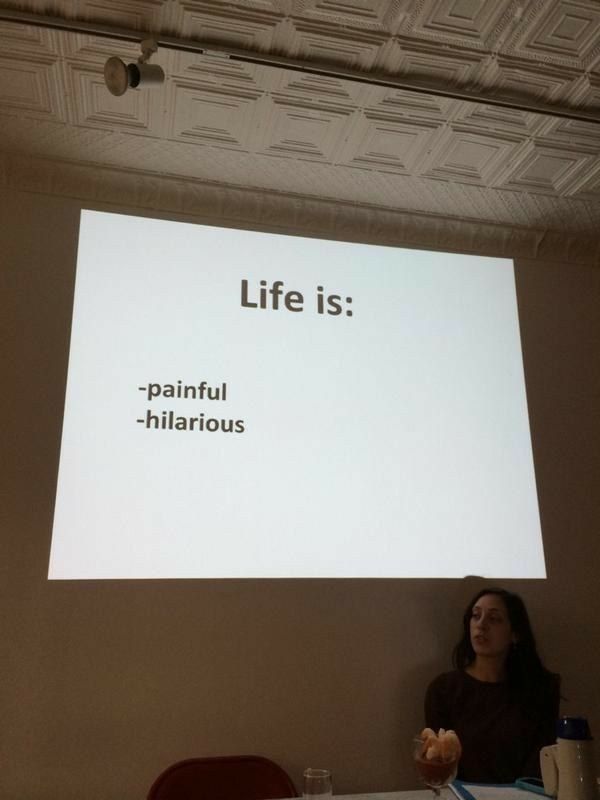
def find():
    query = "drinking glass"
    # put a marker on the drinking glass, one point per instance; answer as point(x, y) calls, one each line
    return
point(317, 784)
point(435, 773)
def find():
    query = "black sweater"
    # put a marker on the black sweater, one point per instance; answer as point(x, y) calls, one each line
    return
point(501, 739)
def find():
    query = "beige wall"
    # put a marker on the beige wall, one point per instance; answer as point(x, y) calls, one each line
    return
point(105, 683)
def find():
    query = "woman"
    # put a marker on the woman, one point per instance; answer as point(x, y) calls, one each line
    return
point(500, 699)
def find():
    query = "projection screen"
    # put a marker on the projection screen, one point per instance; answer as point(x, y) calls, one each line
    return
point(253, 405)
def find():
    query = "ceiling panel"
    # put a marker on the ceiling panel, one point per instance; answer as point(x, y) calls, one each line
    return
point(258, 127)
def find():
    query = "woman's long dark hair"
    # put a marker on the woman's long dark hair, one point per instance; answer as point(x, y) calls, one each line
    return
point(528, 680)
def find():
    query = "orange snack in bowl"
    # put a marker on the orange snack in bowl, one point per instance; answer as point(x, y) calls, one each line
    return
point(436, 757)
point(441, 746)
point(450, 746)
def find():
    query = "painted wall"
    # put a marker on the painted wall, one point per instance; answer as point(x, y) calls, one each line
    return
point(102, 684)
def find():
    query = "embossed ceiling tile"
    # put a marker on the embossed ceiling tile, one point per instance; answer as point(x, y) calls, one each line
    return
point(478, 202)
point(433, 199)
point(399, 19)
point(565, 31)
point(315, 180)
point(66, 8)
point(415, 105)
point(569, 133)
point(262, 171)
point(396, 15)
point(588, 187)
point(517, 206)
point(450, 195)
point(469, 201)
point(214, 70)
point(236, 26)
point(270, 8)
point(438, 66)
point(140, 15)
point(496, 119)
point(181, 160)
point(348, 48)
point(363, 14)
point(519, 16)
point(318, 87)
point(469, 23)
point(464, 155)
point(304, 129)
point(216, 116)
point(439, 197)
point(93, 105)
point(392, 190)
point(389, 56)
point(585, 93)
point(548, 212)
point(98, 48)
point(382, 142)
point(515, 78)
point(32, 86)
point(55, 140)
point(23, 39)
point(349, 142)
point(539, 168)
point(124, 151)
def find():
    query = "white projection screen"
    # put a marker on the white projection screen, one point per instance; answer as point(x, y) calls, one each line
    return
point(252, 405)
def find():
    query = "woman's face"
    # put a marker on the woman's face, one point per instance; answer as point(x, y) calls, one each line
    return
point(491, 633)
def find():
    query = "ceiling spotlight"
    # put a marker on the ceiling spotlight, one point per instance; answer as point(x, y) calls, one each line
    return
point(119, 76)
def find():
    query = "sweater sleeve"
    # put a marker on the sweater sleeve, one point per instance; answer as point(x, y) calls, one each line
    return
point(546, 729)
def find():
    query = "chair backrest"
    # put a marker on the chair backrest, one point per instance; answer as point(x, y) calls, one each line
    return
point(223, 778)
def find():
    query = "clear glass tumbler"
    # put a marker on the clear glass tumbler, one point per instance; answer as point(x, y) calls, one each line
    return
point(317, 784)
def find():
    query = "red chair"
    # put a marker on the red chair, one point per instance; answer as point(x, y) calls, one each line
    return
point(223, 778)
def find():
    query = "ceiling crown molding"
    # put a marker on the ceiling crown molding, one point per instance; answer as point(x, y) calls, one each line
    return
point(219, 204)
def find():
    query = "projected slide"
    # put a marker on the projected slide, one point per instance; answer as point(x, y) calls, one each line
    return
point(250, 405)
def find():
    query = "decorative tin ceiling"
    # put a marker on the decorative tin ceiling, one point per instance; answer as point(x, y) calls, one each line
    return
point(218, 121)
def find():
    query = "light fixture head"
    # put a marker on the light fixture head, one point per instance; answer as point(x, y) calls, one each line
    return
point(119, 76)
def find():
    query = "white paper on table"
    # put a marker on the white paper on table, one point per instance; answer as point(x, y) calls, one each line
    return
point(480, 792)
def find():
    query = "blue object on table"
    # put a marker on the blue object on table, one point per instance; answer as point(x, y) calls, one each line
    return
point(532, 785)
point(458, 788)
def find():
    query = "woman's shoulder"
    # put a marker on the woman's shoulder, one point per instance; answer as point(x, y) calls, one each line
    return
point(447, 681)
point(442, 696)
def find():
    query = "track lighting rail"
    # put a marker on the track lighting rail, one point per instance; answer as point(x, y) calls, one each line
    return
point(321, 69)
